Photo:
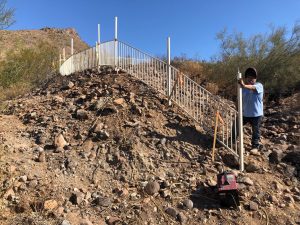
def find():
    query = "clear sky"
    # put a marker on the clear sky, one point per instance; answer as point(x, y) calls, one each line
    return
point(191, 24)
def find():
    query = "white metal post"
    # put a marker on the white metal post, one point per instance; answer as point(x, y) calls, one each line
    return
point(116, 43)
point(240, 124)
point(72, 52)
point(99, 53)
point(72, 46)
point(60, 60)
point(64, 54)
point(169, 68)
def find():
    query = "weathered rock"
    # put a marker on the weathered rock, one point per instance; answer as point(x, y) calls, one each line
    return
point(50, 204)
point(296, 198)
point(182, 218)
point(33, 183)
point(292, 157)
point(59, 141)
point(9, 194)
point(131, 124)
point(98, 127)
point(253, 206)
point(112, 220)
point(88, 145)
point(275, 156)
point(92, 155)
point(296, 190)
point(76, 198)
point(211, 182)
point(41, 157)
point(230, 160)
point(251, 167)
point(132, 97)
point(273, 199)
point(172, 212)
point(58, 99)
point(165, 184)
point(70, 85)
point(163, 141)
point(65, 222)
point(100, 104)
point(59, 149)
point(254, 151)
point(41, 140)
point(135, 109)
point(103, 135)
point(188, 204)
point(277, 186)
point(246, 180)
point(119, 101)
point(81, 114)
point(289, 198)
point(290, 171)
point(152, 187)
point(23, 178)
point(102, 201)
point(123, 192)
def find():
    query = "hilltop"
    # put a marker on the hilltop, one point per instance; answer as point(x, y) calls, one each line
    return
point(20, 39)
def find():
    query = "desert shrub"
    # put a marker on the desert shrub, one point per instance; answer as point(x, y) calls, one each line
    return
point(6, 15)
point(188, 66)
point(212, 88)
point(26, 68)
point(275, 55)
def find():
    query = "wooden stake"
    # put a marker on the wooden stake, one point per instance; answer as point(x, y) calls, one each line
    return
point(218, 117)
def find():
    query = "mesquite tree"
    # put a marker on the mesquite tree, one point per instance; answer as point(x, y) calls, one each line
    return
point(6, 15)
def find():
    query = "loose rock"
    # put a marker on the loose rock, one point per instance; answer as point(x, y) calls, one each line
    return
point(172, 212)
point(81, 114)
point(152, 187)
point(253, 206)
point(188, 204)
point(59, 141)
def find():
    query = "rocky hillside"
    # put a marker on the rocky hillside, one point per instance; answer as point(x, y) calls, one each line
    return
point(105, 149)
point(14, 40)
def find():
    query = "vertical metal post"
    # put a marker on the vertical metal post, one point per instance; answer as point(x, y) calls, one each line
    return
point(169, 68)
point(72, 52)
point(240, 124)
point(116, 44)
point(59, 61)
point(72, 46)
point(99, 53)
point(64, 54)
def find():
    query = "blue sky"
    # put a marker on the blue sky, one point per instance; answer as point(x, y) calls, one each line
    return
point(191, 24)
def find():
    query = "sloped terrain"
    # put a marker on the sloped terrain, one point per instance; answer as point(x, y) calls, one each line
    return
point(101, 148)
point(19, 39)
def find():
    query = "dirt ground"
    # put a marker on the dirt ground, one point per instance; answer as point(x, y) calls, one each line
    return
point(84, 149)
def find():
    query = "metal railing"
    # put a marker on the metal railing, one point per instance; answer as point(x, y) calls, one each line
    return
point(89, 58)
point(196, 101)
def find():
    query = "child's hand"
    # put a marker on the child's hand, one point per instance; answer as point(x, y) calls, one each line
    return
point(241, 82)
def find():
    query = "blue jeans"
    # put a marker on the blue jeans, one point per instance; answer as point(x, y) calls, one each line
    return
point(255, 124)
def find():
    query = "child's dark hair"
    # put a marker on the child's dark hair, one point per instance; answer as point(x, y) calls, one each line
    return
point(251, 72)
